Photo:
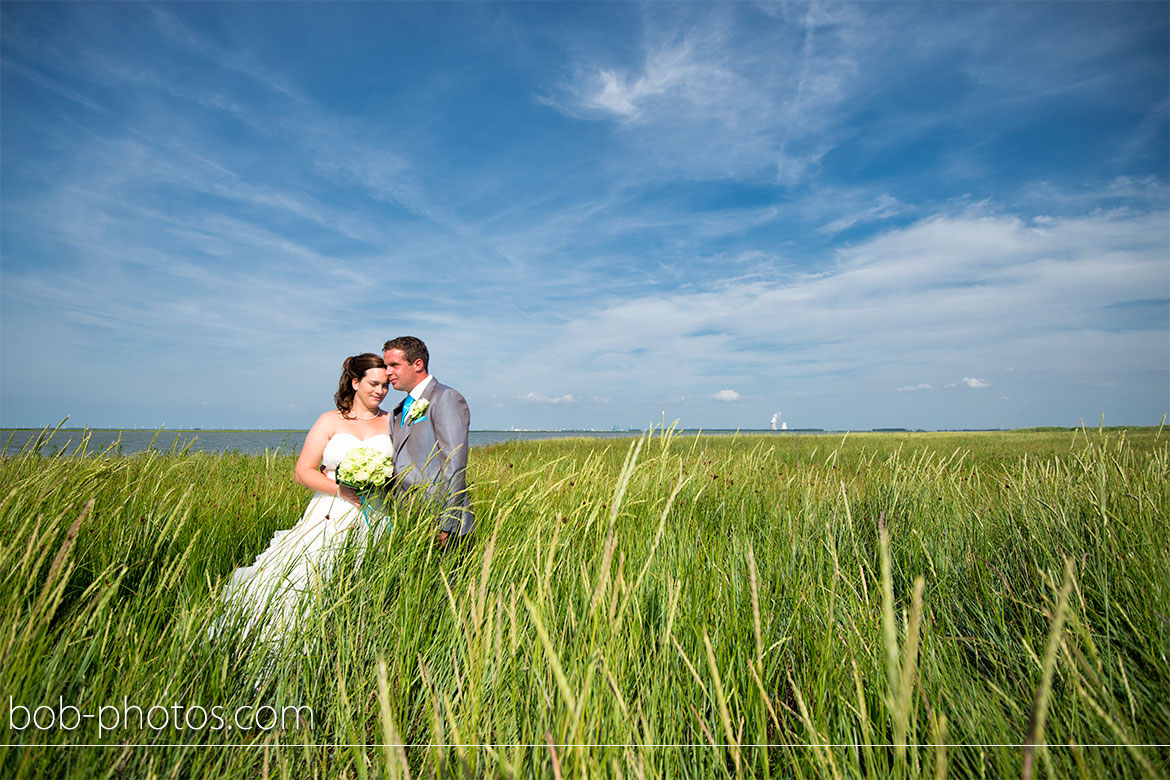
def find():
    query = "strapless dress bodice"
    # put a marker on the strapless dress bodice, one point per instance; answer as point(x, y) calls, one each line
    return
point(340, 444)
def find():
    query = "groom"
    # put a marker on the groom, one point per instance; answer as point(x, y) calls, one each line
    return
point(429, 430)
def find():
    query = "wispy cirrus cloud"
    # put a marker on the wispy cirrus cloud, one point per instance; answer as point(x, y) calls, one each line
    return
point(567, 398)
point(883, 208)
point(769, 99)
point(236, 60)
point(670, 72)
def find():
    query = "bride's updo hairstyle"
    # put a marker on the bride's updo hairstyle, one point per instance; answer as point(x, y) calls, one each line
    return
point(354, 368)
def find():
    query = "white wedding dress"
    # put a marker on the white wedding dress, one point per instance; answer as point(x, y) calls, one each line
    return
point(271, 593)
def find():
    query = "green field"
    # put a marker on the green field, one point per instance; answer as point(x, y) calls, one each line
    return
point(656, 607)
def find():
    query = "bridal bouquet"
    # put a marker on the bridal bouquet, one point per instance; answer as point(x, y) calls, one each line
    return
point(365, 470)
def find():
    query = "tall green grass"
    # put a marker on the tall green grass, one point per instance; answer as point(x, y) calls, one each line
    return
point(874, 605)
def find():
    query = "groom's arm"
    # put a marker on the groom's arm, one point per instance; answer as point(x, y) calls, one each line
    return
point(451, 421)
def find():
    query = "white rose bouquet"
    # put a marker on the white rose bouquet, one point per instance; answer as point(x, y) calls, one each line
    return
point(365, 470)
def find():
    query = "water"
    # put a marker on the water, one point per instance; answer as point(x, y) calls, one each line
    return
point(128, 442)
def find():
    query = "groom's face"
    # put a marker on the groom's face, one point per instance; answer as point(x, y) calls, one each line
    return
point(403, 375)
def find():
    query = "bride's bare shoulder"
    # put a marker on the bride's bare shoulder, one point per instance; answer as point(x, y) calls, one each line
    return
point(329, 422)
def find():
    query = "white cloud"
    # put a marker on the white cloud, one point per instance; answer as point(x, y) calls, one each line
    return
point(567, 398)
point(944, 291)
point(726, 395)
point(44, 81)
point(886, 207)
point(971, 381)
point(915, 388)
point(235, 60)
point(672, 75)
point(666, 70)
point(771, 97)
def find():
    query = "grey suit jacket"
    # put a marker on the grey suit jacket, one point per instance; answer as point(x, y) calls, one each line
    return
point(431, 454)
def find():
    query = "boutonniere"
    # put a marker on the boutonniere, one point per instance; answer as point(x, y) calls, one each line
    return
point(417, 411)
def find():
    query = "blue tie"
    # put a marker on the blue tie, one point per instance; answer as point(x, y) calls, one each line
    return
point(409, 402)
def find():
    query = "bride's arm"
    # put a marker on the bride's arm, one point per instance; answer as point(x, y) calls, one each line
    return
point(308, 469)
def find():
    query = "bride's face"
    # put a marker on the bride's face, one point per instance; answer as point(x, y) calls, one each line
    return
point(371, 388)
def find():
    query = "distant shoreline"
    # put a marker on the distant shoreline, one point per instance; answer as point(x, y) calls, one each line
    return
point(614, 431)
point(129, 441)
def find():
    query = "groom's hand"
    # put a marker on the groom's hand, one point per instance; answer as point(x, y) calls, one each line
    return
point(350, 495)
point(441, 538)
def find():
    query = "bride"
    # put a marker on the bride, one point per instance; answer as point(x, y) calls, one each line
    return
point(269, 592)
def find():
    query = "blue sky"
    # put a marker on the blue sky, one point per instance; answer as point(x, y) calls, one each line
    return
point(855, 215)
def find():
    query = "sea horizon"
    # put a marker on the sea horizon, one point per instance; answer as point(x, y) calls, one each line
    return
point(253, 441)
